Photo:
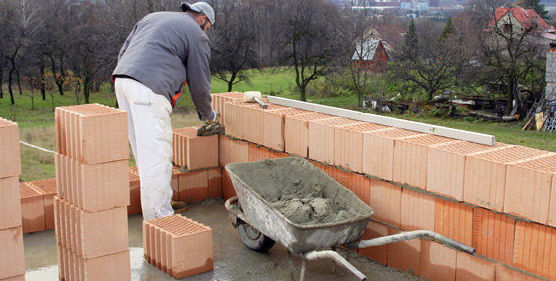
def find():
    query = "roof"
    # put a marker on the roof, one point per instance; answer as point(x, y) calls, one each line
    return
point(526, 17)
point(367, 50)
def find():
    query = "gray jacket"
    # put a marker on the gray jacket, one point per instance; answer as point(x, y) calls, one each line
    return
point(164, 50)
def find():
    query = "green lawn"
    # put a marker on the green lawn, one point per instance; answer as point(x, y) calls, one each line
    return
point(37, 124)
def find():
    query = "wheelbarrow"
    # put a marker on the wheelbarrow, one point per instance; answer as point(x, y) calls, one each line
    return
point(260, 224)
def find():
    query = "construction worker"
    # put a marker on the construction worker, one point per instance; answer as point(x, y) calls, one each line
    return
point(164, 52)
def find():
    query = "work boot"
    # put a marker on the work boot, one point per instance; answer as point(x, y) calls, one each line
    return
point(179, 206)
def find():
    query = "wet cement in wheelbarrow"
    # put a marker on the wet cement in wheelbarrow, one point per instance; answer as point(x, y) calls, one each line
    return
point(300, 191)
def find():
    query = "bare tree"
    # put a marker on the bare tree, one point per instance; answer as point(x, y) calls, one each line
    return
point(311, 31)
point(234, 42)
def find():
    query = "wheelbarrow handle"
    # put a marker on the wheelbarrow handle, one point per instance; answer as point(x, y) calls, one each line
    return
point(409, 236)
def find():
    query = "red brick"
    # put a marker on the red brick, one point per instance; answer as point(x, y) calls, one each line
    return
point(386, 202)
point(92, 133)
point(215, 183)
point(411, 158)
point(417, 211)
point(454, 220)
point(95, 187)
point(378, 254)
point(348, 145)
point(446, 166)
point(528, 189)
point(10, 203)
point(228, 190)
point(535, 249)
point(182, 247)
point(193, 186)
point(474, 268)
point(86, 233)
point(438, 262)
point(321, 137)
point(378, 151)
point(493, 235)
point(134, 195)
point(405, 255)
point(485, 175)
point(296, 132)
point(12, 260)
point(274, 123)
point(32, 209)
point(257, 152)
point(10, 152)
point(506, 273)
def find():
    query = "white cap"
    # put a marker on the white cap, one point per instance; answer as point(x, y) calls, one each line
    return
point(200, 7)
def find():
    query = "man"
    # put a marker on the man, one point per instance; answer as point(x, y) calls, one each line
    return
point(164, 52)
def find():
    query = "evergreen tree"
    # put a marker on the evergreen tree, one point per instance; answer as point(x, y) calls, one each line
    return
point(411, 41)
point(536, 5)
point(448, 30)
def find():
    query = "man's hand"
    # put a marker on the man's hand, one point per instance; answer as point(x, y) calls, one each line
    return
point(212, 119)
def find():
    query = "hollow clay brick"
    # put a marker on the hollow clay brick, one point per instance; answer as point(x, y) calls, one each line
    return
point(232, 151)
point(12, 260)
point(322, 139)
point(506, 273)
point(348, 144)
point(358, 184)
point(179, 142)
point(493, 235)
point(529, 189)
point(179, 246)
point(274, 126)
point(200, 152)
point(474, 268)
point(417, 211)
point(378, 254)
point(378, 151)
point(535, 249)
point(215, 183)
point(193, 186)
point(411, 158)
point(174, 182)
point(454, 220)
point(109, 267)
point(95, 187)
point(16, 278)
point(273, 154)
point(32, 209)
point(485, 175)
point(405, 255)
point(296, 132)
point(218, 101)
point(228, 190)
point(386, 202)
point(446, 166)
point(438, 262)
point(92, 133)
point(257, 152)
point(10, 151)
point(10, 203)
point(47, 188)
point(134, 195)
point(254, 127)
point(234, 119)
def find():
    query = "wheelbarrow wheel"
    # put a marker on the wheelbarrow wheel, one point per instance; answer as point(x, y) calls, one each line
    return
point(254, 239)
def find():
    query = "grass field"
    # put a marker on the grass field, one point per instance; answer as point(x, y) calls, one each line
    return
point(37, 124)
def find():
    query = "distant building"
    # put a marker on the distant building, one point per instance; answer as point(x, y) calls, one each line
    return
point(371, 55)
point(518, 20)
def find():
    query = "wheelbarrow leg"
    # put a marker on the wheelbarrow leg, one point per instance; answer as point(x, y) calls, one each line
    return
point(314, 255)
point(302, 275)
point(291, 267)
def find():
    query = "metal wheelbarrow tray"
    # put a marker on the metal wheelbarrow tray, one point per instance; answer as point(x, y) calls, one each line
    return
point(260, 224)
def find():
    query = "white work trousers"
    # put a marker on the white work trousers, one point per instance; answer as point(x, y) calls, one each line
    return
point(150, 136)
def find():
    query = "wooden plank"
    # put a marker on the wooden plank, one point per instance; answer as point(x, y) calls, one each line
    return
point(388, 121)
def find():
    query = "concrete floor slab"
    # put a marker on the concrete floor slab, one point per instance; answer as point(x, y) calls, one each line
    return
point(233, 261)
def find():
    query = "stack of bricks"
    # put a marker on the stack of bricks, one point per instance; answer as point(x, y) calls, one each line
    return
point(92, 179)
point(178, 246)
point(498, 199)
point(12, 260)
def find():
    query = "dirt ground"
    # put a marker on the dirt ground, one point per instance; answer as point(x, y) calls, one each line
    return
point(232, 260)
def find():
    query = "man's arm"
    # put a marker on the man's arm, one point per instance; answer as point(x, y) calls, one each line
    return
point(198, 77)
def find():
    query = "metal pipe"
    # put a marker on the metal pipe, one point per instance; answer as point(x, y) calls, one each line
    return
point(409, 236)
point(328, 254)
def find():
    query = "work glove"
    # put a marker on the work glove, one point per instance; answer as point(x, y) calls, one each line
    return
point(212, 119)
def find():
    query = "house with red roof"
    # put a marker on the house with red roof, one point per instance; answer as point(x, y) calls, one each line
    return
point(519, 20)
